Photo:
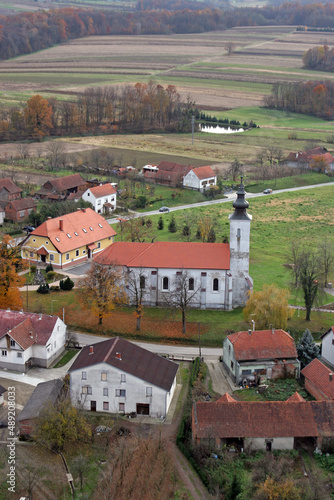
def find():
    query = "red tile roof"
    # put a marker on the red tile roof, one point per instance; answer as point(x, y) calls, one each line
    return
point(9, 185)
point(307, 156)
point(20, 323)
point(204, 172)
point(61, 184)
point(317, 373)
point(263, 344)
point(267, 419)
point(296, 397)
point(104, 190)
point(129, 358)
point(22, 204)
point(73, 225)
point(168, 255)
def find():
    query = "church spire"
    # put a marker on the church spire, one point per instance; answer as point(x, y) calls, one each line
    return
point(240, 205)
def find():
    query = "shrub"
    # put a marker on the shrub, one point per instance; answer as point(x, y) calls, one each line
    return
point(44, 288)
point(50, 275)
point(48, 268)
point(292, 136)
point(160, 223)
point(172, 228)
point(66, 284)
point(33, 268)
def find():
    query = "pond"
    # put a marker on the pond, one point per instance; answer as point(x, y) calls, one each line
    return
point(217, 129)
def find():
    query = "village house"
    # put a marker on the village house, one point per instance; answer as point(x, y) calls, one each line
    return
point(60, 188)
point(9, 191)
point(2, 392)
point(263, 425)
point(18, 210)
point(29, 339)
point(167, 173)
point(319, 380)
point(103, 198)
point(327, 346)
point(201, 178)
point(217, 273)
point(304, 159)
point(269, 352)
point(45, 394)
point(68, 240)
point(118, 376)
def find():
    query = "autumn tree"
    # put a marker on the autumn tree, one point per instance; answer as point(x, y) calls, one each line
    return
point(205, 226)
point(136, 229)
point(320, 163)
point(38, 116)
point(10, 280)
point(183, 294)
point(102, 289)
point(268, 307)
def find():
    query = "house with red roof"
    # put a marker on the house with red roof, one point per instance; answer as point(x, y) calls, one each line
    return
point(304, 159)
point(59, 188)
point(319, 380)
point(167, 173)
point(200, 178)
point(69, 239)
point(117, 376)
point(9, 191)
point(327, 346)
point(103, 198)
point(29, 339)
point(271, 353)
point(18, 210)
point(263, 425)
point(216, 274)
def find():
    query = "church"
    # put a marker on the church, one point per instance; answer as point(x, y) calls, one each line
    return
point(208, 275)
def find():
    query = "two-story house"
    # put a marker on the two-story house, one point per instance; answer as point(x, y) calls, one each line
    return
point(103, 198)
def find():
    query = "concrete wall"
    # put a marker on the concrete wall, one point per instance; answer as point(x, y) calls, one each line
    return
point(277, 443)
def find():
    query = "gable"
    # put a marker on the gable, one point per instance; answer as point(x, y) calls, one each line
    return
point(263, 344)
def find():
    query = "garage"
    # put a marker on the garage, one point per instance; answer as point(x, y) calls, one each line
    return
point(143, 409)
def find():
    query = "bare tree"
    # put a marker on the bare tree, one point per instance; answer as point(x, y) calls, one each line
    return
point(137, 288)
point(183, 294)
point(80, 467)
point(56, 154)
point(230, 47)
point(136, 229)
point(29, 477)
point(308, 278)
point(235, 169)
point(325, 260)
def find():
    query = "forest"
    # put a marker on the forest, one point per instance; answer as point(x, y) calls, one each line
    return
point(139, 108)
point(312, 97)
point(319, 58)
point(31, 31)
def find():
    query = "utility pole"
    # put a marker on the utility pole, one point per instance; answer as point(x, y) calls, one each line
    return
point(192, 128)
point(199, 340)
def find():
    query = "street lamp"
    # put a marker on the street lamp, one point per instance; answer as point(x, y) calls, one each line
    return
point(52, 301)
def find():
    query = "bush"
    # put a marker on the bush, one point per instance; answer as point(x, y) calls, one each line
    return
point(66, 284)
point(292, 136)
point(50, 275)
point(48, 268)
point(33, 268)
point(172, 228)
point(55, 288)
point(160, 223)
point(43, 288)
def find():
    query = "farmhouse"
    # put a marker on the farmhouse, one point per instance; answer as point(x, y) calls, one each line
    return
point(118, 376)
point(103, 198)
point(327, 346)
point(304, 159)
point(9, 191)
point(18, 210)
point(263, 425)
point(200, 178)
point(319, 380)
point(68, 240)
point(28, 339)
point(167, 173)
point(217, 274)
point(60, 188)
point(270, 352)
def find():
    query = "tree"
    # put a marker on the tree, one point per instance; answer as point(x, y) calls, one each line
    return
point(67, 284)
point(80, 467)
point(183, 294)
point(136, 229)
point(29, 477)
point(10, 280)
point(235, 169)
point(102, 289)
point(284, 490)
point(325, 260)
point(307, 348)
point(268, 307)
point(56, 154)
point(230, 47)
point(205, 227)
point(308, 279)
point(320, 163)
point(172, 227)
point(136, 286)
point(38, 116)
point(160, 223)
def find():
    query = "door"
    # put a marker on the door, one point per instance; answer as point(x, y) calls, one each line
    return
point(93, 406)
point(143, 409)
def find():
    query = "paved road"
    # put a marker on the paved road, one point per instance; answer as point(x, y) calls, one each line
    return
point(230, 197)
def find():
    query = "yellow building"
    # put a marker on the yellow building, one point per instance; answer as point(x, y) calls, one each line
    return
point(68, 240)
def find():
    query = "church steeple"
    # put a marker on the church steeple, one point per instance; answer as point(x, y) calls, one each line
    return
point(240, 205)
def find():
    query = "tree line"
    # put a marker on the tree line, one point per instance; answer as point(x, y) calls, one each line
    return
point(27, 32)
point(312, 98)
point(320, 58)
point(137, 108)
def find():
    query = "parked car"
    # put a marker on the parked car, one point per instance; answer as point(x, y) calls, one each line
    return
point(28, 229)
point(267, 191)
point(164, 209)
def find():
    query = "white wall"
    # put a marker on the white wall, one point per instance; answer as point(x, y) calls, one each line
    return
point(239, 263)
point(191, 180)
point(278, 443)
point(327, 347)
point(99, 202)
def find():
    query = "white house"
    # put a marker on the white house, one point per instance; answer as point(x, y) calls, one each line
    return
point(2, 216)
point(217, 274)
point(327, 346)
point(200, 178)
point(118, 376)
point(103, 198)
point(28, 339)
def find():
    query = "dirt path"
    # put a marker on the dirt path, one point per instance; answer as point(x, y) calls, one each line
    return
point(220, 384)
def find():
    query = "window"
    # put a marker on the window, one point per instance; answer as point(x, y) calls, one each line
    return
point(191, 283)
point(148, 391)
point(4, 353)
point(31, 254)
point(67, 256)
point(57, 239)
point(142, 282)
point(105, 405)
point(120, 393)
point(123, 377)
point(22, 213)
point(121, 407)
point(69, 236)
point(165, 283)
point(46, 242)
point(77, 253)
point(91, 228)
point(83, 251)
point(84, 230)
point(76, 234)
point(86, 389)
point(215, 285)
point(83, 376)
point(98, 244)
point(232, 365)
point(35, 240)
point(103, 376)
point(19, 354)
point(12, 343)
point(105, 391)
point(100, 225)
point(88, 194)
point(99, 202)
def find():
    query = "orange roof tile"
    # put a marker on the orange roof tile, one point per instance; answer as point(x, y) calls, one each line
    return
point(226, 399)
point(318, 374)
point(263, 344)
point(168, 255)
point(103, 190)
point(296, 397)
point(204, 172)
point(80, 228)
point(61, 184)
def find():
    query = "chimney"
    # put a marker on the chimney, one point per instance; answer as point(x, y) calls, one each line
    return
point(91, 349)
point(40, 316)
point(61, 224)
point(118, 355)
point(49, 218)
point(249, 331)
point(330, 376)
point(273, 331)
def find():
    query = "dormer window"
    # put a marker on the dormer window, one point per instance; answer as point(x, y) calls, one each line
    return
point(91, 228)
point(84, 230)
point(100, 225)
point(69, 236)
point(76, 234)
point(57, 239)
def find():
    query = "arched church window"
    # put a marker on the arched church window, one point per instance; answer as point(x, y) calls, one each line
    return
point(165, 283)
point(215, 284)
point(191, 283)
